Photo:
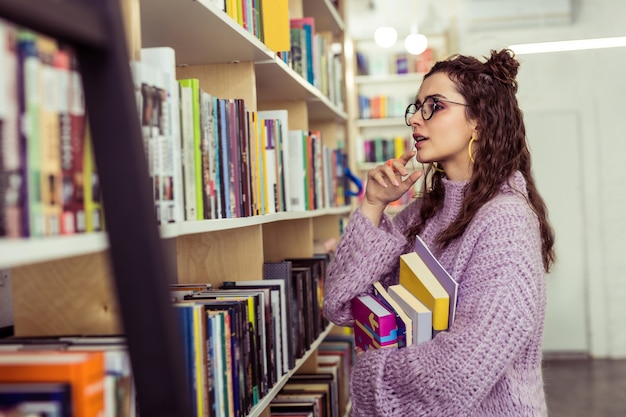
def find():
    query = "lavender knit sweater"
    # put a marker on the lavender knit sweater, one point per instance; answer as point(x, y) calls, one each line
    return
point(489, 362)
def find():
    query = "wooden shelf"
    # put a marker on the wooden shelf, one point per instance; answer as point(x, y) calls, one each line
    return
point(265, 401)
point(194, 28)
point(327, 18)
point(276, 81)
point(18, 252)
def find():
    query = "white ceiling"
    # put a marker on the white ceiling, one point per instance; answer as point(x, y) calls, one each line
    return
point(433, 16)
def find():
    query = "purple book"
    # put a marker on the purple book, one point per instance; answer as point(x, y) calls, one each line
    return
point(448, 283)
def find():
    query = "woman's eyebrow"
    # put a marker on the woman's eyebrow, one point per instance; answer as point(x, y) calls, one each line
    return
point(436, 95)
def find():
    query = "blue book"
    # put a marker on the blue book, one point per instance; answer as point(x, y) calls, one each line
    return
point(32, 398)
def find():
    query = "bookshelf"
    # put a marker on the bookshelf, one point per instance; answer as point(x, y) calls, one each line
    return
point(116, 282)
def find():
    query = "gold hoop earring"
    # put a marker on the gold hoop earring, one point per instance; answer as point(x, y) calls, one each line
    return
point(469, 149)
point(436, 167)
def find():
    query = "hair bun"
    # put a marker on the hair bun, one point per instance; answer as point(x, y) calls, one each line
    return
point(503, 66)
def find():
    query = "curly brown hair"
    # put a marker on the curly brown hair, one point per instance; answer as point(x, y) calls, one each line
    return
point(489, 89)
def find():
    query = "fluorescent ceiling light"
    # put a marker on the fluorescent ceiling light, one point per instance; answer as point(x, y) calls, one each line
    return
point(543, 47)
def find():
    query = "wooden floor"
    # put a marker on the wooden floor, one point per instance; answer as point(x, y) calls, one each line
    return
point(589, 388)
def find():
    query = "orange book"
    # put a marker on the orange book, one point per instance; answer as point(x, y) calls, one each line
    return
point(84, 371)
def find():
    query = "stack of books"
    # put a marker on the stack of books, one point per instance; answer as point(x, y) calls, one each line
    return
point(408, 313)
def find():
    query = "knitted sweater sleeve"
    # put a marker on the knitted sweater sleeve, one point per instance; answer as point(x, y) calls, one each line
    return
point(500, 306)
point(365, 254)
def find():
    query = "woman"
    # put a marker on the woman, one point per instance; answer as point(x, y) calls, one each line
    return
point(481, 215)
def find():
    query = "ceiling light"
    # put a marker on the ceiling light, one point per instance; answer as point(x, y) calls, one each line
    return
point(416, 43)
point(543, 47)
point(385, 36)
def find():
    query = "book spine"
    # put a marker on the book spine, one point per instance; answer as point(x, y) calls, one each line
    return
point(12, 167)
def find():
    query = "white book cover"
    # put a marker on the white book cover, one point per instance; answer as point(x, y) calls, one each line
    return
point(282, 149)
point(188, 154)
point(416, 310)
point(297, 169)
point(164, 59)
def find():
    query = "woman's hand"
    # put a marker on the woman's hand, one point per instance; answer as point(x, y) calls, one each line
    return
point(385, 184)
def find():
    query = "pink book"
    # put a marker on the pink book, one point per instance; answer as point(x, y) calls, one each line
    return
point(374, 325)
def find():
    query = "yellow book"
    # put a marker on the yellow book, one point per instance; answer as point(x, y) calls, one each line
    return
point(199, 349)
point(416, 277)
point(94, 218)
point(399, 146)
point(276, 29)
point(52, 95)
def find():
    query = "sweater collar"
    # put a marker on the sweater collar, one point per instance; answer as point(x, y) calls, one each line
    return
point(454, 193)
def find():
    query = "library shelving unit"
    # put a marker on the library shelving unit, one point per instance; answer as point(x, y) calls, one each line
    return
point(116, 282)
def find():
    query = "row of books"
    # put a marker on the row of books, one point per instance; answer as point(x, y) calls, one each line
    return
point(408, 313)
point(313, 55)
point(48, 181)
point(324, 390)
point(394, 63)
point(310, 53)
point(383, 106)
point(238, 342)
point(66, 376)
point(240, 339)
point(380, 149)
point(201, 150)
point(212, 158)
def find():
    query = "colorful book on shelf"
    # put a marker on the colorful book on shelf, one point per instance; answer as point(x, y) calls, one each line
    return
point(307, 27)
point(244, 135)
point(261, 327)
point(275, 23)
point(220, 340)
point(187, 316)
point(374, 326)
point(53, 112)
point(234, 158)
point(94, 216)
point(324, 382)
point(194, 85)
point(83, 371)
point(421, 317)
point(275, 273)
point(207, 148)
point(73, 189)
point(164, 59)
point(36, 398)
point(30, 100)
point(188, 151)
point(416, 277)
point(297, 188)
point(281, 133)
point(403, 321)
point(12, 163)
point(277, 328)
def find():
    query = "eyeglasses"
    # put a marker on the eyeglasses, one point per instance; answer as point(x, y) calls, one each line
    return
point(428, 108)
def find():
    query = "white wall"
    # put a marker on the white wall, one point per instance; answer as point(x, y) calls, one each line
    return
point(587, 89)
point(591, 84)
